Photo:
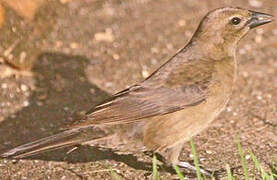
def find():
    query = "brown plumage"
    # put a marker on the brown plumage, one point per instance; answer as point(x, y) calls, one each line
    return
point(173, 104)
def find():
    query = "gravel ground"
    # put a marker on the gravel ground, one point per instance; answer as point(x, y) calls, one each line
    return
point(72, 55)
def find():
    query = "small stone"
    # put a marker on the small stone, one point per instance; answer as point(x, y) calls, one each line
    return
point(39, 103)
point(154, 50)
point(182, 23)
point(58, 44)
point(4, 86)
point(145, 73)
point(106, 36)
point(26, 103)
point(255, 3)
point(248, 47)
point(108, 84)
point(258, 39)
point(169, 46)
point(22, 56)
point(23, 87)
point(65, 1)
point(154, 61)
point(115, 56)
point(245, 74)
point(74, 45)
point(247, 157)
point(15, 161)
point(92, 91)
point(242, 51)
point(229, 109)
point(209, 152)
point(259, 97)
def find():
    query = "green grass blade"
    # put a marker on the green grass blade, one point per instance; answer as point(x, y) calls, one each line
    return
point(195, 160)
point(155, 172)
point(259, 167)
point(245, 171)
point(114, 175)
point(229, 173)
point(180, 175)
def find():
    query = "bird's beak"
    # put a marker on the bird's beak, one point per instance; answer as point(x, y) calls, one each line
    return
point(258, 19)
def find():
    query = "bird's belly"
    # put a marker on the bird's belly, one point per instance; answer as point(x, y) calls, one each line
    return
point(169, 130)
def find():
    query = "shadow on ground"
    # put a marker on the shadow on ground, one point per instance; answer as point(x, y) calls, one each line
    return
point(62, 91)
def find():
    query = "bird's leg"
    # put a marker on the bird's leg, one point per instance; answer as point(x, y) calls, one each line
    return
point(172, 154)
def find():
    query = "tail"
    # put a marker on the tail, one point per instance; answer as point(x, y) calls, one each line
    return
point(63, 139)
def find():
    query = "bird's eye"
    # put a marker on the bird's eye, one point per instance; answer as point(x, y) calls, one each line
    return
point(235, 20)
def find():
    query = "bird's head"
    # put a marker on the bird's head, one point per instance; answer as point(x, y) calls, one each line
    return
point(226, 26)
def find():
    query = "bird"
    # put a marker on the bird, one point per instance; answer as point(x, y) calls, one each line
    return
point(176, 102)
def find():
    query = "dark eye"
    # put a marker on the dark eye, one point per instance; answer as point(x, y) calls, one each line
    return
point(235, 20)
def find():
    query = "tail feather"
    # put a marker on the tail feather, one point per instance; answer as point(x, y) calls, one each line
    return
point(63, 139)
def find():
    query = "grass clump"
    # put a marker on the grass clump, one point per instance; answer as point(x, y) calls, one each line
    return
point(229, 175)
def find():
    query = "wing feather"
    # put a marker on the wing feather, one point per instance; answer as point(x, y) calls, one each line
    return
point(186, 85)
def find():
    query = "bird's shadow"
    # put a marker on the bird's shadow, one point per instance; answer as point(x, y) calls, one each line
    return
point(62, 90)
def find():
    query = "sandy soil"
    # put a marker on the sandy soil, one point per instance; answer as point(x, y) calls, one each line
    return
point(83, 51)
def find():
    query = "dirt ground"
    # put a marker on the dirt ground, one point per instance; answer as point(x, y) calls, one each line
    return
point(81, 51)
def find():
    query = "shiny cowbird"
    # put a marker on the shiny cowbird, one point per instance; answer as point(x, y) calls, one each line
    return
point(176, 102)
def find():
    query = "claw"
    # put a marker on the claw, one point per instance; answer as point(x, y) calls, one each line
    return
point(187, 165)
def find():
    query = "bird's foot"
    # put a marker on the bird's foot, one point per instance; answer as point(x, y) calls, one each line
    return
point(187, 165)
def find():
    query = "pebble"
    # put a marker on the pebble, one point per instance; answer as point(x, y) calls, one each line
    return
point(248, 47)
point(145, 73)
point(58, 44)
point(15, 161)
point(259, 97)
point(242, 51)
point(154, 50)
point(23, 87)
point(229, 109)
point(182, 23)
point(247, 157)
point(26, 103)
point(4, 86)
point(255, 3)
point(169, 46)
point(65, 1)
point(22, 56)
point(74, 45)
point(92, 91)
point(108, 84)
point(39, 103)
point(106, 36)
point(115, 56)
point(258, 39)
